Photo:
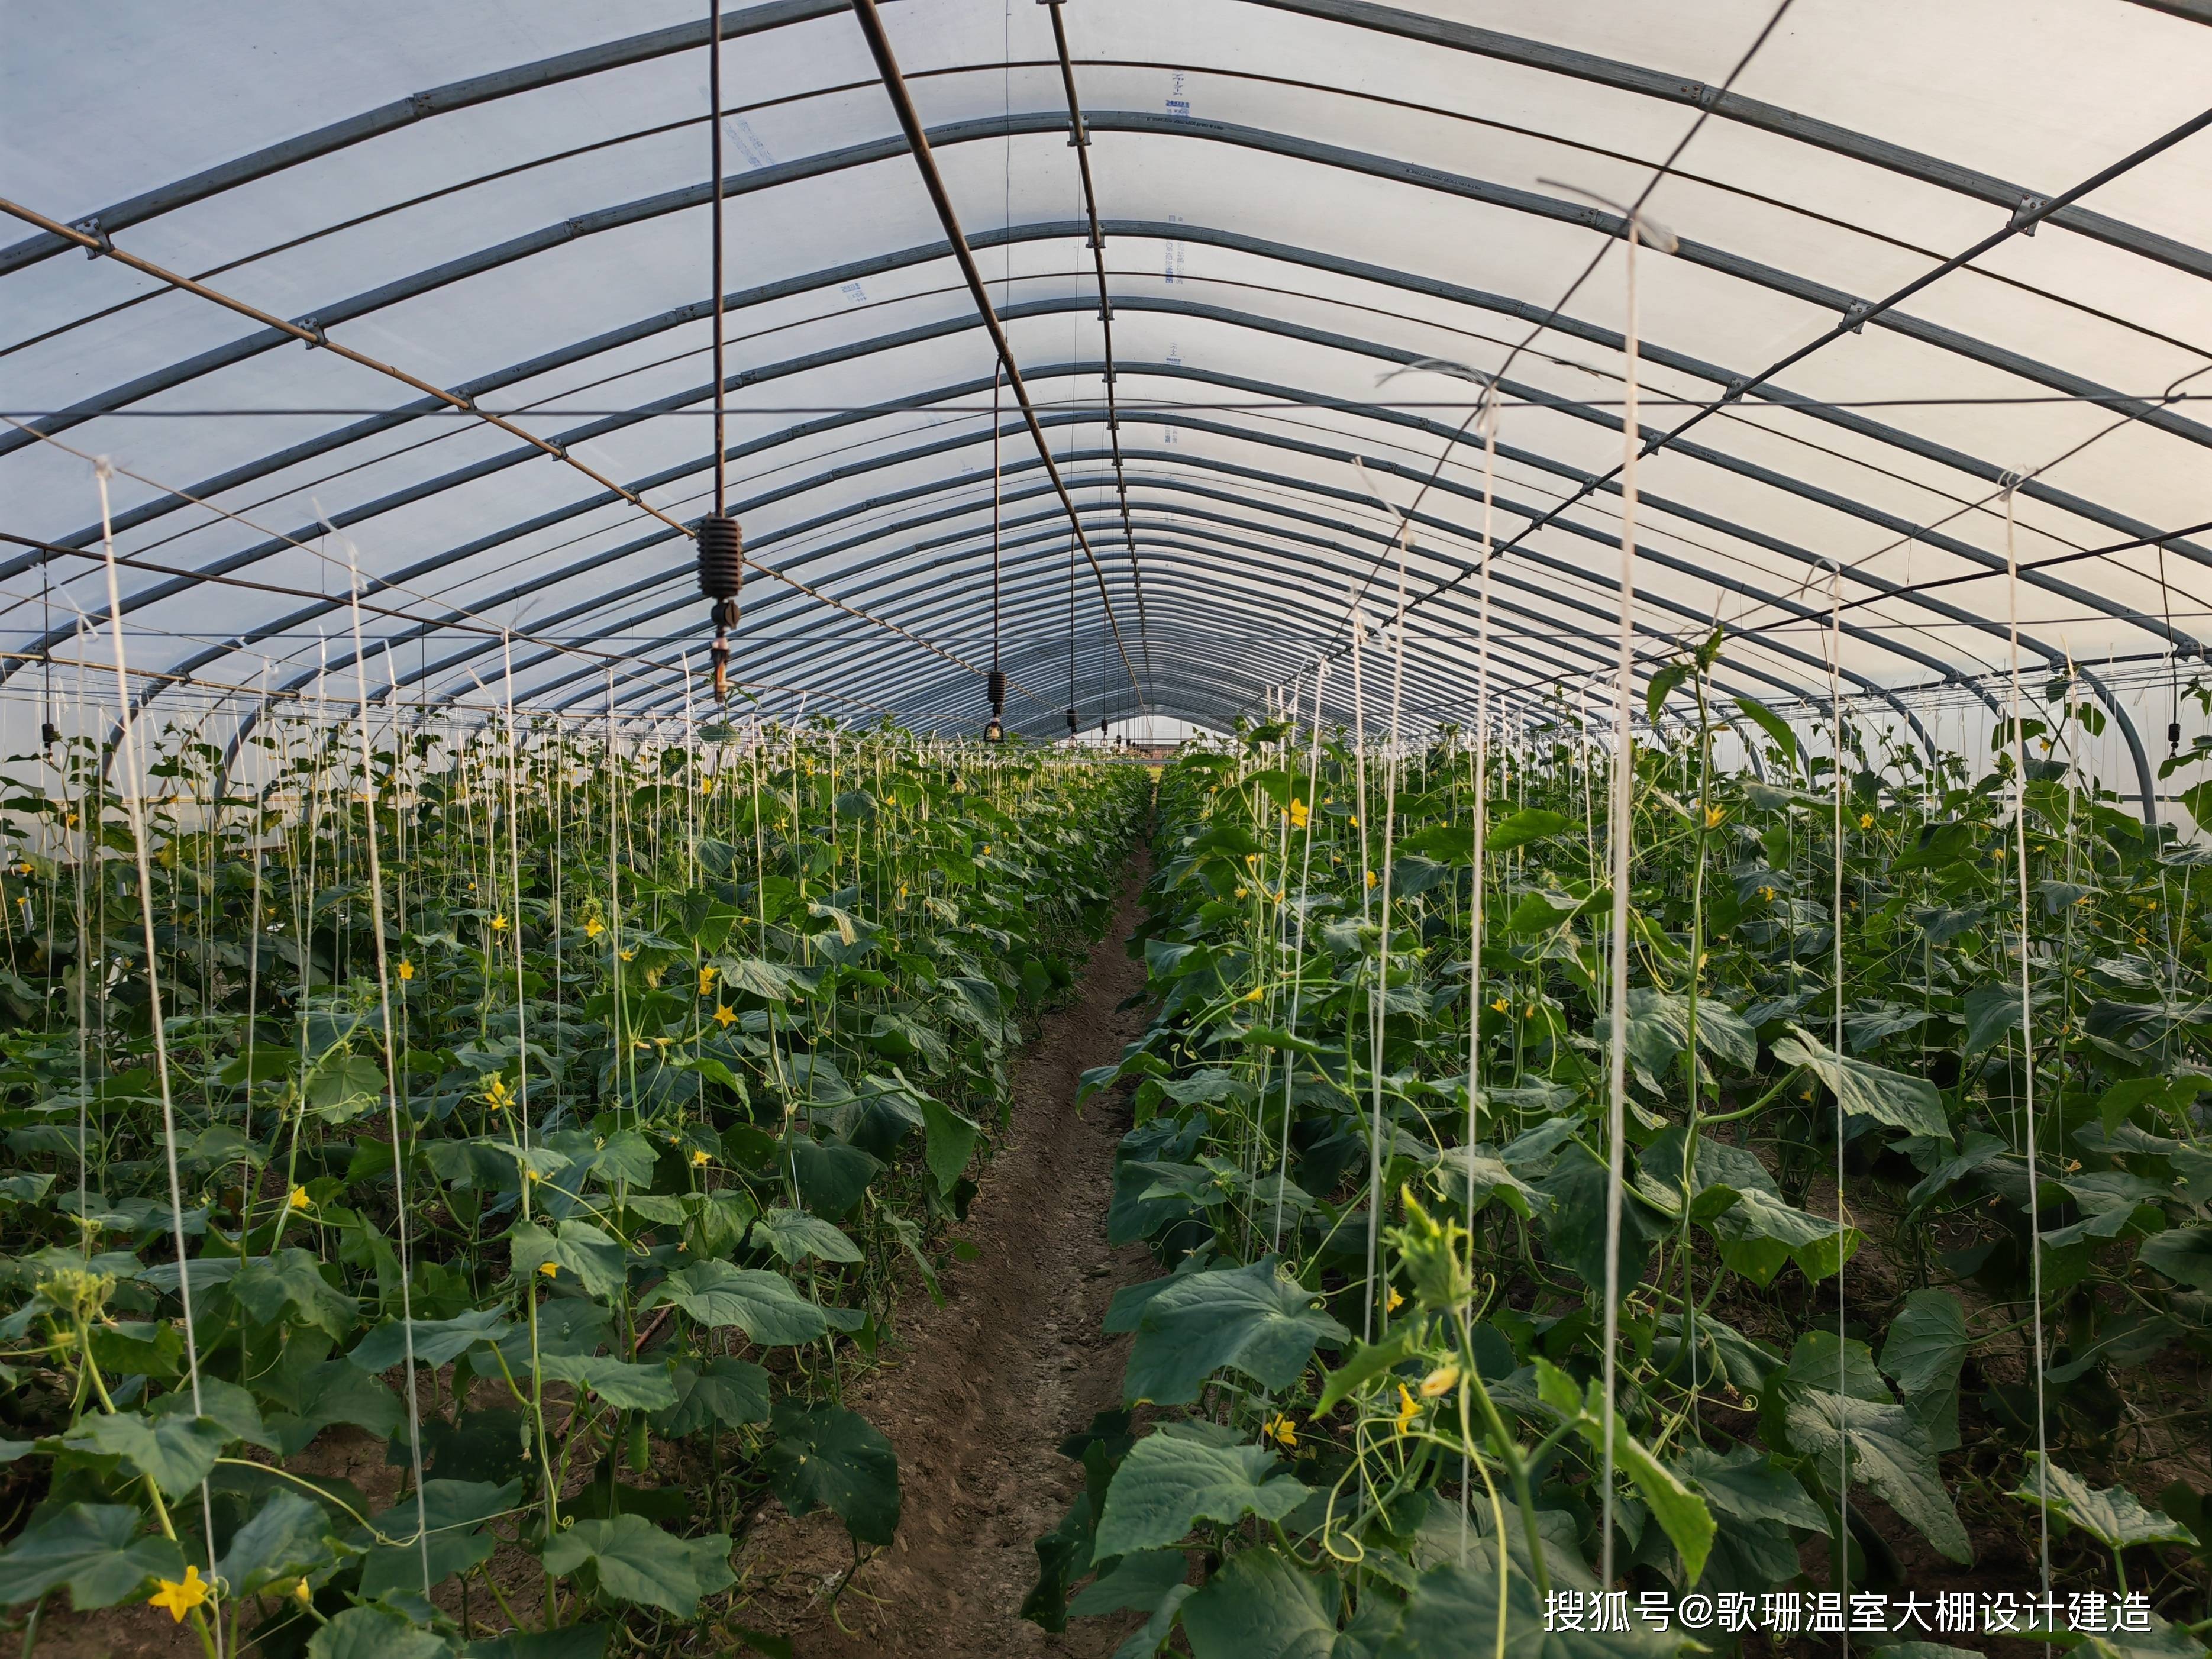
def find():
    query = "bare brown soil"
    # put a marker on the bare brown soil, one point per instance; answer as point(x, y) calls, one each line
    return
point(978, 1393)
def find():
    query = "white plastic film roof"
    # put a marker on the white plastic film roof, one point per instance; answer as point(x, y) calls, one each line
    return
point(507, 200)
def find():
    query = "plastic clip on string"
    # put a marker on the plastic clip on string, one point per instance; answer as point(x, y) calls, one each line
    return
point(721, 575)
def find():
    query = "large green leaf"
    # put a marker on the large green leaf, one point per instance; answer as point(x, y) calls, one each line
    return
point(794, 1234)
point(335, 1391)
point(450, 1538)
point(375, 1633)
point(762, 1304)
point(1260, 1606)
point(95, 1549)
point(591, 1253)
point(1869, 1090)
point(176, 1451)
point(1744, 1483)
point(1890, 1452)
point(1137, 1581)
point(831, 1175)
point(287, 1537)
point(2182, 1254)
point(721, 1390)
point(1252, 1317)
point(825, 1454)
point(1178, 1477)
point(1531, 823)
point(635, 1561)
point(1923, 1354)
point(618, 1383)
point(291, 1283)
point(1574, 1227)
point(951, 1140)
point(2115, 1517)
point(436, 1341)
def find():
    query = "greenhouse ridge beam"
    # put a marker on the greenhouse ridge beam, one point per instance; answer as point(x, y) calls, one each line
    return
point(1080, 139)
point(917, 138)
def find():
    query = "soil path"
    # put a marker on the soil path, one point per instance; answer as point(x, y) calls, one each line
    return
point(977, 1393)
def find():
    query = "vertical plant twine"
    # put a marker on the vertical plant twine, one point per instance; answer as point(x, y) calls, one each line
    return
point(1835, 644)
point(135, 810)
point(1298, 944)
point(1377, 1003)
point(400, 1144)
point(1486, 421)
point(2027, 1046)
point(1622, 804)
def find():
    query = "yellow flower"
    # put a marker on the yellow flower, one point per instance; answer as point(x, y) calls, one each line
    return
point(1394, 1301)
point(723, 1017)
point(1440, 1381)
point(179, 1598)
point(706, 979)
point(902, 890)
point(1498, 1006)
point(1300, 812)
point(406, 970)
point(986, 849)
point(594, 927)
point(1251, 861)
point(698, 1159)
point(1866, 820)
point(298, 1199)
point(496, 1094)
point(1281, 1430)
point(1714, 815)
point(706, 786)
point(1241, 891)
point(546, 1267)
point(1408, 1408)
point(499, 924)
point(630, 955)
point(1253, 995)
point(2084, 899)
point(1372, 877)
point(1766, 893)
point(303, 1593)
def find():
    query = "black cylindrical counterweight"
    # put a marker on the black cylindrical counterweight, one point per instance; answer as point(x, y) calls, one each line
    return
point(997, 683)
point(721, 557)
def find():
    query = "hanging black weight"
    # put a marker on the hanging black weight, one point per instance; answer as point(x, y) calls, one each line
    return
point(721, 557)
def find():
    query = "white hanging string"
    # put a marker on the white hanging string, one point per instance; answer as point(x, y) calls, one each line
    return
point(399, 1139)
point(1487, 418)
point(1835, 643)
point(135, 809)
point(1298, 943)
point(2027, 1046)
point(1619, 818)
point(1378, 1001)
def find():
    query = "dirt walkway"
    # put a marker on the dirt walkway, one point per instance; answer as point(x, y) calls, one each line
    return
point(980, 1391)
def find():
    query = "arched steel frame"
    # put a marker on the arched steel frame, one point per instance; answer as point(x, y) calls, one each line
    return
point(1351, 13)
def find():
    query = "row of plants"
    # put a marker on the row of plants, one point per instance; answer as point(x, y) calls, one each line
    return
point(1863, 1200)
point(556, 1108)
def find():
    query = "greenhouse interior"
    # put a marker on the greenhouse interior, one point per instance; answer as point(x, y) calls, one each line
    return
point(1246, 828)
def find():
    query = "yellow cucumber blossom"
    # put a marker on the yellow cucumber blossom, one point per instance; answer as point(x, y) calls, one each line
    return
point(1440, 1381)
point(1300, 814)
point(723, 1017)
point(1866, 820)
point(299, 1198)
point(1393, 1302)
point(496, 1094)
point(1714, 815)
point(630, 955)
point(1253, 994)
point(594, 927)
point(406, 970)
point(179, 1597)
point(1767, 894)
point(706, 786)
point(499, 924)
point(1372, 878)
point(1243, 891)
point(1498, 1006)
point(706, 979)
point(1280, 1430)
point(1408, 1408)
point(698, 1159)
point(546, 1267)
